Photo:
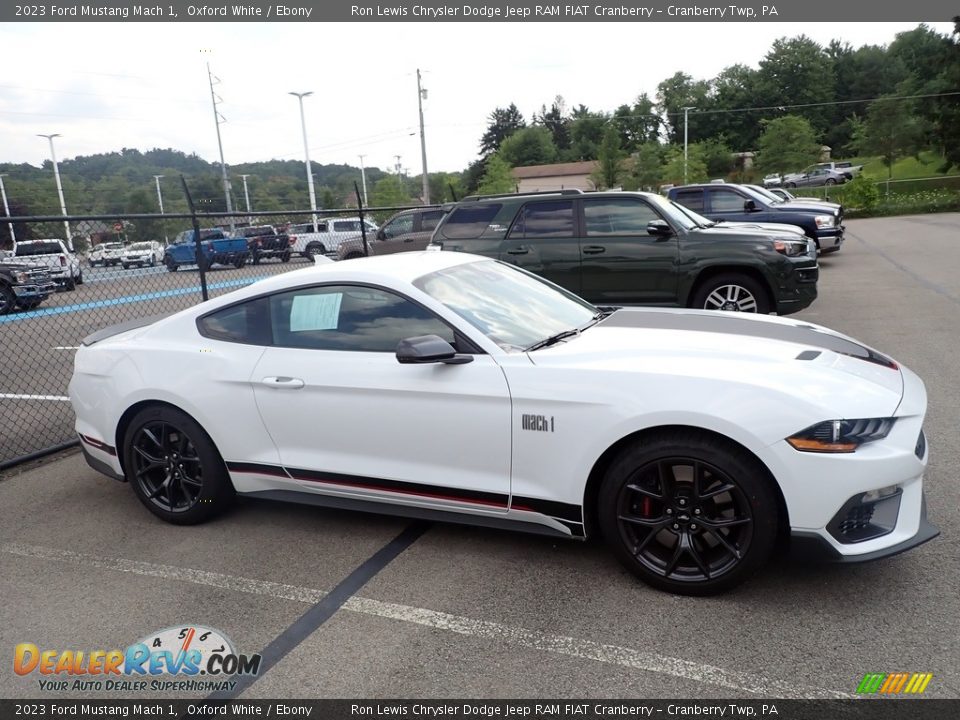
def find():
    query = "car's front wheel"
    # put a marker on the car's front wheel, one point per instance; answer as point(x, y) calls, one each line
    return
point(8, 300)
point(734, 292)
point(174, 467)
point(688, 513)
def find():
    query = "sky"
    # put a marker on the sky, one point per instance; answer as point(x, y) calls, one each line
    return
point(106, 86)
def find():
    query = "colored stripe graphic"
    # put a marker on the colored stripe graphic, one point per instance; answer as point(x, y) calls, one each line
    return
point(894, 683)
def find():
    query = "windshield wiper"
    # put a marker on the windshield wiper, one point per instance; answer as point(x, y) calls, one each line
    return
point(564, 334)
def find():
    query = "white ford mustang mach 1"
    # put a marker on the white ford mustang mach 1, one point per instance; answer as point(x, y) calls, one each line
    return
point(444, 385)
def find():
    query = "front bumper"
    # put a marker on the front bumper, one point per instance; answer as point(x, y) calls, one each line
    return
point(813, 547)
point(37, 291)
point(830, 239)
point(797, 288)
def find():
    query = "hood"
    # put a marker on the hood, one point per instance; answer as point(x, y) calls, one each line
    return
point(764, 227)
point(780, 354)
point(812, 207)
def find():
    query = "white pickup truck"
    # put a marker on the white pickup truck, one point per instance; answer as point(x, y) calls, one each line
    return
point(326, 240)
point(64, 266)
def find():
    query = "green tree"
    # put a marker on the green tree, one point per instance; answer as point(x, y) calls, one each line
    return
point(718, 157)
point(556, 121)
point(677, 92)
point(637, 123)
point(502, 123)
point(529, 146)
point(586, 133)
point(797, 71)
point(787, 144)
point(610, 157)
point(388, 192)
point(736, 88)
point(496, 177)
point(892, 130)
point(672, 171)
point(646, 171)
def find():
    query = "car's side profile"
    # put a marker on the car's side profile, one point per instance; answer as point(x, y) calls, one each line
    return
point(445, 385)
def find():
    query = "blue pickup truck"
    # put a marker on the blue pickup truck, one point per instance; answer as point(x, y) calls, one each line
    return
point(216, 247)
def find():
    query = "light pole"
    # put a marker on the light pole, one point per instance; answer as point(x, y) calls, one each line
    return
point(156, 179)
point(421, 96)
point(6, 208)
point(223, 166)
point(306, 154)
point(686, 111)
point(246, 194)
point(56, 174)
point(363, 179)
point(399, 169)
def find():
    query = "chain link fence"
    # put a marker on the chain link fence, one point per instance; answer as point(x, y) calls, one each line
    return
point(127, 267)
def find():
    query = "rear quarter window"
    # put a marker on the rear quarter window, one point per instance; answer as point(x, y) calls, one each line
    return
point(692, 199)
point(469, 222)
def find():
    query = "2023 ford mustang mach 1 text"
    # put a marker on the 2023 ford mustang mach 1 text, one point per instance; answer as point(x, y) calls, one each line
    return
point(445, 385)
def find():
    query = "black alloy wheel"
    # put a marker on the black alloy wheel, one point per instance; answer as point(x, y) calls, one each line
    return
point(8, 300)
point(688, 513)
point(174, 467)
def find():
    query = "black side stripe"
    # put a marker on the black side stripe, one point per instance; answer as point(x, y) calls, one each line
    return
point(559, 510)
point(98, 444)
point(258, 469)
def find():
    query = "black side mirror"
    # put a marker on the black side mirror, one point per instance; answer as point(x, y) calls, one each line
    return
point(381, 235)
point(429, 349)
point(749, 205)
point(659, 228)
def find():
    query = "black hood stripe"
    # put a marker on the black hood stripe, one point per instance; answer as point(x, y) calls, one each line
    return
point(732, 324)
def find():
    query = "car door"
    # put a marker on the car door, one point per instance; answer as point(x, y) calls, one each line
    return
point(621, 263)
point(391, 237)
point(349, 419)
point(544, 240)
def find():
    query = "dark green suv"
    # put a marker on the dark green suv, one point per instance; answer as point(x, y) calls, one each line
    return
point(634, 248)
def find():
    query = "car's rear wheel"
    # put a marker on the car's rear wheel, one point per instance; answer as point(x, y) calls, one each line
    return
point(285, 257)
point(830, 181)
point(240, 262)
point(314, 249)
point(688, 513)
point(70, 284)
point(171, 265)
point(733, 292)
point(174, 467)
point(8, 300)
point(790, 185)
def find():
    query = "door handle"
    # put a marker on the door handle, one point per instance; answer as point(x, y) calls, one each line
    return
point(283, 383)
point(594, 249)
point(518, 251)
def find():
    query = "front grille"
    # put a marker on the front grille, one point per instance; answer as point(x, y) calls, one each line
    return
point(856, 520)
point(921, 449)
point(862, 519)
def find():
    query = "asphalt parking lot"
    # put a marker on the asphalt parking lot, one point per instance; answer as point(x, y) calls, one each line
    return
point(466, 612)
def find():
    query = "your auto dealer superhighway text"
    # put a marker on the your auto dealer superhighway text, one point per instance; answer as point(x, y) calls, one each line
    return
point(508, 11)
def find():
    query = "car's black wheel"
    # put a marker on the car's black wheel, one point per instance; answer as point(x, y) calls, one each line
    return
point(125, 266)
point(80, 278)
point(314, 249)
point(353, 255)
point(174, 467)
point(830, 181)
point(240, 262)
point(8, 300)
point(790, 185)
point(285, 257)
point(204, 264)
point(153, 261)
point(70, 284)
point(734, 292)
point(171, 265)
point(688, 513)
point(256, 258)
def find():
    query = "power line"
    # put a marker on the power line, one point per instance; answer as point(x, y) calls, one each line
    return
point(821, 104)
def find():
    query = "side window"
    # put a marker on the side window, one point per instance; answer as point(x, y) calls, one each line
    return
point(726, 201)
point(352, 318)
point(617, 216)
point(692, 199)
point(429, 220)
point(544, 220)
point(469, 222)
point(398, 226)
point(247, 323)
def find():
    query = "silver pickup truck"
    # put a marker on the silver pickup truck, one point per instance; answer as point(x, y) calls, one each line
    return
point(326, 239)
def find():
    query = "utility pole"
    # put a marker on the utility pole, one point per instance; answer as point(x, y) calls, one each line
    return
point(399, 169)
point(56, 174)
point(306, 153)
point(156, 178)
point(421, 96)
point(363, 179)
point(686, 111)
point(6, 208)
point(218, 118)
point(246, 193)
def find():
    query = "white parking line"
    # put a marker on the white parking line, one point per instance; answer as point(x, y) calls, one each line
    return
point(16, 396)
point(546, 642)
point(66, 347)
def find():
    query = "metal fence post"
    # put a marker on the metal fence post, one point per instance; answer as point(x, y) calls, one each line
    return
point(201, 261)
point(363, 225)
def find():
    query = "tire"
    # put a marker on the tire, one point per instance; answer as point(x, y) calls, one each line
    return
point(285, 257)
point(80, 278)
point(203, 264)
point(312, 249)
point(684, 536)
point(830, 181)
point(732, 292)
point(353, 256)
point(240, 262)
point(125, 266)
point(174, 468)
point(70, 285)
point(256, 258)
point(8, 300)
point(790, 185)
point(153, 261)
point(171, 265)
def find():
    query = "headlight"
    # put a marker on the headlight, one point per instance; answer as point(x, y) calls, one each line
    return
point(790, 247)
point(825, 221)
point(21, 277)
point(840, 436)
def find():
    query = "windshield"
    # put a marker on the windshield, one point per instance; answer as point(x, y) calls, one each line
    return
point(668, 208)
point(51, 247)
point(695, 216)
point(755, 195)
point(771, 197)
point(510, 306)
point(140, 246)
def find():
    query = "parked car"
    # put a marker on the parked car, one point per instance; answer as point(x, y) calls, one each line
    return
point(142, 253)
point(813, 176)
point(627, 248)
point(326, 239)
point(772, 180)
point(216, 247)
point(692, 442)
point(105, 254)
point(59, 259)
point(406, 230)
point(23, 285)
point(787, 196)
point(730, 202)
point(265, 241)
